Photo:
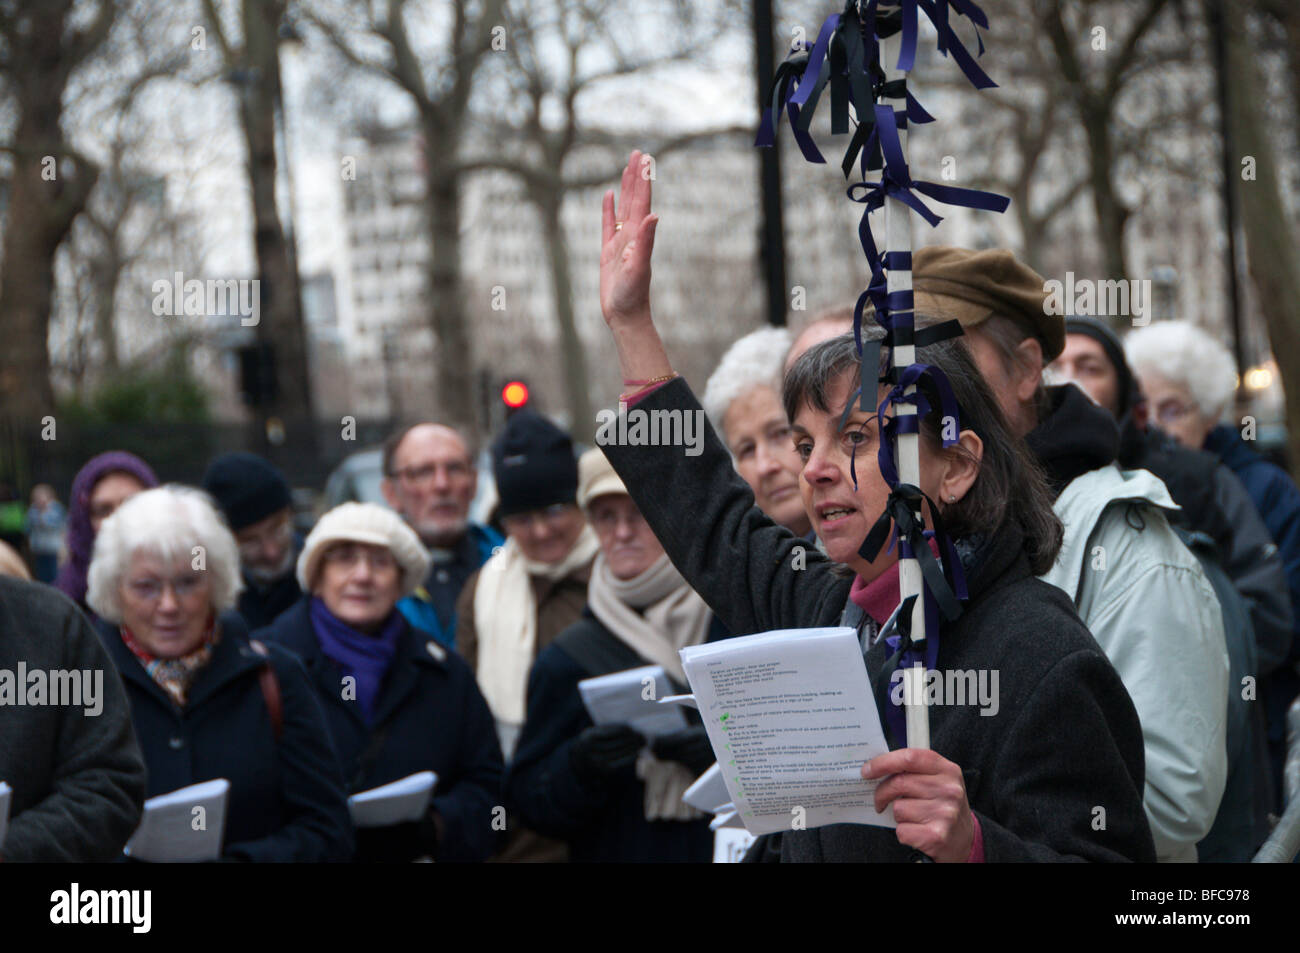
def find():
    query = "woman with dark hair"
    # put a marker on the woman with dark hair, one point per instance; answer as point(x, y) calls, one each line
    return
point(100, 487)
point(1053, 768)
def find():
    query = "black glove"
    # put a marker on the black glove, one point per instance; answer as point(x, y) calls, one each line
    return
point(602, 752)
point(690, 747)
point(397, 843)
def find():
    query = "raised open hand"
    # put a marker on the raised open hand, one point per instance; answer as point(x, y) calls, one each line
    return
point(627, 239)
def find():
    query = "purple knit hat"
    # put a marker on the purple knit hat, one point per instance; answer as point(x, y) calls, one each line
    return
point(81, 537)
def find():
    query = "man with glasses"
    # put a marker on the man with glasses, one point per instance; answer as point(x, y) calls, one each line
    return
point(254, 497)
point(430, 480)
point(530, 591)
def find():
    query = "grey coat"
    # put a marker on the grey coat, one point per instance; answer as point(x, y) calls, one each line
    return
point(1056, 774)
point(78, 779)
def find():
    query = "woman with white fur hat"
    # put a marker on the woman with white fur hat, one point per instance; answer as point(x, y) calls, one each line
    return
point(396, 701)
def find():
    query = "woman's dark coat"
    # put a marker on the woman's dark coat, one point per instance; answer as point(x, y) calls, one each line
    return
point(287, 801)
point(1056, 774)
point(600, 824)
point(433, 718)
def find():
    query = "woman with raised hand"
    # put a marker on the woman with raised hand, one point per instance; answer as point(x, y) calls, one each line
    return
point(207, 702)
point(1017, 780)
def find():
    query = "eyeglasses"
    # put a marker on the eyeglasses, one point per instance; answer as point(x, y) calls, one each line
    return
point(608, 518)
point(349, 557)
point(549, 516)
point(414, 476)
point(1172, 412)
point(150, 590)
point(282, 533)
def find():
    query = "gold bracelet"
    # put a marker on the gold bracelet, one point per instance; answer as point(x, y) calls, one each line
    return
point(625, 398)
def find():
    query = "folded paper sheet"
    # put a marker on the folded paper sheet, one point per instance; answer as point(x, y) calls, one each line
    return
point(4, 811)
point(791, 719)
point(183, 825)
point(631, 698)
point(394, 803)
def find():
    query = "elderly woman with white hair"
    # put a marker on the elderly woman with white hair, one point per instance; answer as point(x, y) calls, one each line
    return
point(1189, 382)
point(743, 401)
point(206, 701)
point(396, 702)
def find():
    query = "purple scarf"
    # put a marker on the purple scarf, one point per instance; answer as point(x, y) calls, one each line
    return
point(81, 537)
point(365, 657)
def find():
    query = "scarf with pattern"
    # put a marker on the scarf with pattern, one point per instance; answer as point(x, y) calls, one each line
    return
point(175, 675)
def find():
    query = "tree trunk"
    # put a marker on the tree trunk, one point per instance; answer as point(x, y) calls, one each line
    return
point(281, 322)
point(1270, 246)
point(453, 354)
point(107, 272)
point(572, 356)
point(1111, 213)
point(41, 211)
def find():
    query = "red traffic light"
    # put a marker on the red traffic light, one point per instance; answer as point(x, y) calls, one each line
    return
point(515, 394)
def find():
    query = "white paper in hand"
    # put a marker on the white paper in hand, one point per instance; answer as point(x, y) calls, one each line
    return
point(709, 792)
point(5, 791)
point(182, 826)
point(395, 803)
point(731, 842)
point(791, 719)
point(631, 698)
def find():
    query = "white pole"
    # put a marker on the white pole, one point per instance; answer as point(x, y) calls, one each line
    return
point(898, 237)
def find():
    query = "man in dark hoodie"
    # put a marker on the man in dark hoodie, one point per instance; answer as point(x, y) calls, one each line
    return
point(1213, 500)
point(254, 497)
point(1189, 379)
point(1140, 591)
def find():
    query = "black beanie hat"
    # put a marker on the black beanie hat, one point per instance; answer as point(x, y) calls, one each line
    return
point(1101, 332)
point(246, 487)
point(533, 464)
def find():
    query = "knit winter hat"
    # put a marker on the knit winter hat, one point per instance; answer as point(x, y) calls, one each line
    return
point(533, 464)
point(80, 534)
point(1102, 333)
point(246, 487)
point(365, 523)
point(596, 477)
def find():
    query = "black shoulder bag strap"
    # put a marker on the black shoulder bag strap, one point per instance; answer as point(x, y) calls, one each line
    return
point(597, 656)
point(370, 755)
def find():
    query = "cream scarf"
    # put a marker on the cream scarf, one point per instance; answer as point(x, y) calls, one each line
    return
point(671, 617)
point(505, 616)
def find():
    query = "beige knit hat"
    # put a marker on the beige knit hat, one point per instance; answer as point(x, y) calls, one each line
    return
point(596, 477)
point(365, 523)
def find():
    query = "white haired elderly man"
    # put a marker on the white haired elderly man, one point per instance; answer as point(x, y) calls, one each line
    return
point(207, 702)
point(1189, 382)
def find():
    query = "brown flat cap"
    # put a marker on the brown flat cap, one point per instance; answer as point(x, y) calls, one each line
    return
point(972, 286)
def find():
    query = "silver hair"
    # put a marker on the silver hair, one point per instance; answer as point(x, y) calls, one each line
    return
point(756, 359)
point(1183, 353)
point(167, 522)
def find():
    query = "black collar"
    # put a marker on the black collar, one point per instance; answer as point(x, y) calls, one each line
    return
point(1075, 437)
point(232, 658)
